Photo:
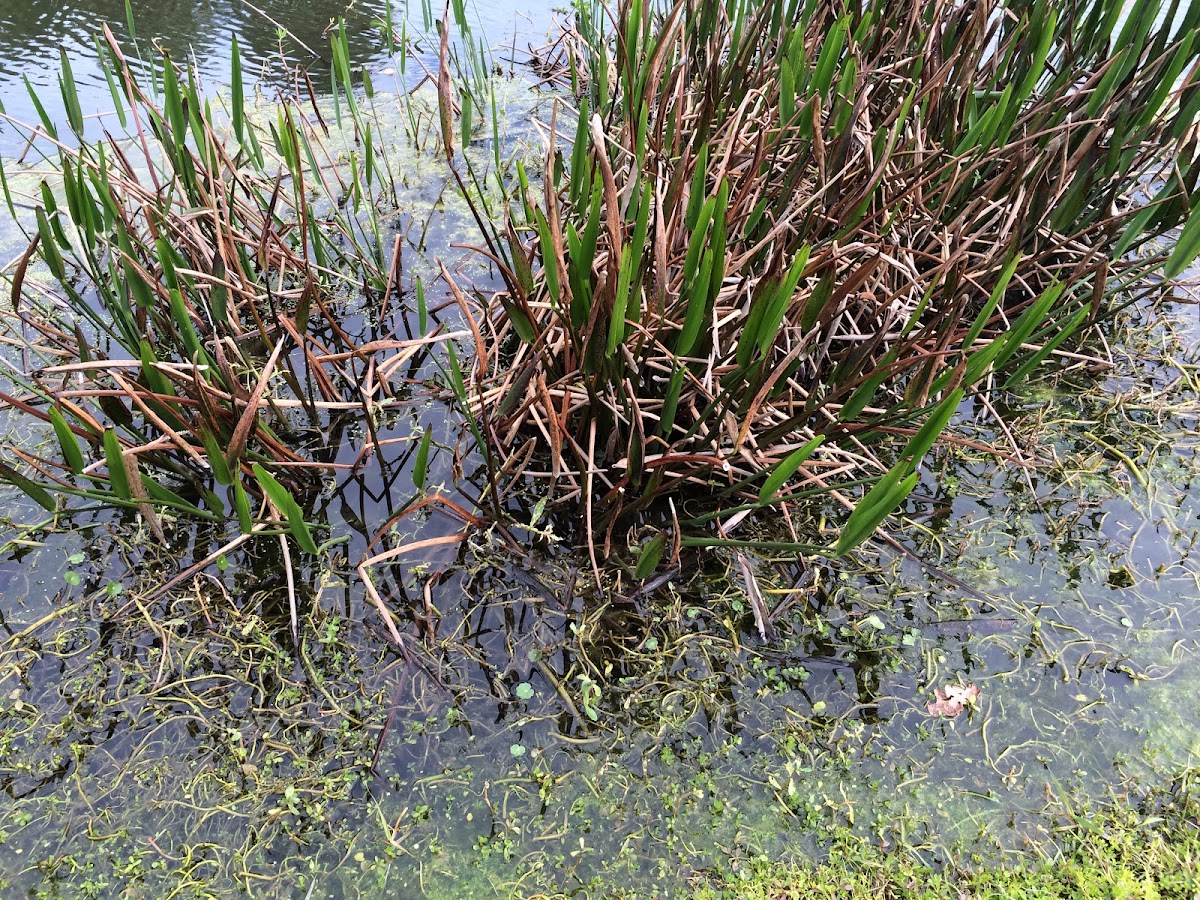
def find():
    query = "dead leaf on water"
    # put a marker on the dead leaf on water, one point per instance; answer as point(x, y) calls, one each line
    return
point(953, 699)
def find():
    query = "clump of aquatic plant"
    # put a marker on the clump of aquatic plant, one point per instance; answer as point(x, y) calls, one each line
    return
point(193, 341)
point(784, 230)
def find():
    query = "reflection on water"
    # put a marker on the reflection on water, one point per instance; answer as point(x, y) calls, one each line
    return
point(32, 32)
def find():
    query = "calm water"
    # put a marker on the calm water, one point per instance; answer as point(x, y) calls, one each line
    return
point(270, 32)
point(185, 746)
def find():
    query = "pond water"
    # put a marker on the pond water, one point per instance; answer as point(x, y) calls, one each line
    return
point(536, 737)
point(272, 34)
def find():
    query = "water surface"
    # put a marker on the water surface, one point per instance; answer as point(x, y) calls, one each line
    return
point(274, 36)
point(533, 737)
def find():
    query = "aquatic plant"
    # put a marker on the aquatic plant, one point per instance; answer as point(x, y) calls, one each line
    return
point(786, 230)
point(195, 336)
point(781, 235)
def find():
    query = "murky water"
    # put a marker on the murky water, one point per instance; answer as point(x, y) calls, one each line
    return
point(533, 737)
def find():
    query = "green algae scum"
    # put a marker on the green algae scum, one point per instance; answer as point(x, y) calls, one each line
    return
point(464, 453)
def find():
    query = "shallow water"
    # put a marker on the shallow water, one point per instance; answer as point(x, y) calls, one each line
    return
point(185, 743)
point(269, 32)
point(532, 737)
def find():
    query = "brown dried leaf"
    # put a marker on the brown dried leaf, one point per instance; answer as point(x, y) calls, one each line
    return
point(445, 99)
point(953, 699)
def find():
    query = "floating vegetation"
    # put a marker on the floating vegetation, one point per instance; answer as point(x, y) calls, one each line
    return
point(542, 743)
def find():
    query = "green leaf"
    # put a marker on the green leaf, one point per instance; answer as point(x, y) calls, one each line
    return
point(671, 403)
point(35, 491)
point(650, 556)
point(616, 326)
point(696, 195)
point(879, 502)
point(283, 500)
point(993, 301)
point(1186, 248)
point(787, 468)
point(579, 168)
point(549, 262)
point(66, 440)
point(697, 308)
point(787, 94)
point(920, 443)
point(520, 322)
point(776, 310)
point(70, 95)
point(1136, 228)
point(115, 460)
point(242, 502)
point(103, 55)
point(1031, 319)
point(864, 392)
point(153, 378)
point(831, 53)
point(422, 308)
point(421, 464)
point(47, 122)
point(50, 254)
point(1036, 358)
point(237, 100)
point(215, 457)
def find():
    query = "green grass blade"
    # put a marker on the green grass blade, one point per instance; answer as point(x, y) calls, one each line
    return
point(283, 500)
point(787, 468)
point(891, 490)
point(66, 441)
point(30, 488)
point(114, 459)
point(421, 463)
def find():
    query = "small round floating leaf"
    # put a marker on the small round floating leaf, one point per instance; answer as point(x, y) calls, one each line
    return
point(873, 621)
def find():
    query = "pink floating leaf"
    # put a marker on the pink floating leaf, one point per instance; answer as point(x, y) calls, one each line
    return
point(953, 699)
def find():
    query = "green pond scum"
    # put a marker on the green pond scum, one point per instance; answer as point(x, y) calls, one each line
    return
point(1114, 853)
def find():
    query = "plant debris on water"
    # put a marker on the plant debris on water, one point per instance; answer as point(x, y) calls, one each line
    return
point(953, 699)
point(341, 561)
